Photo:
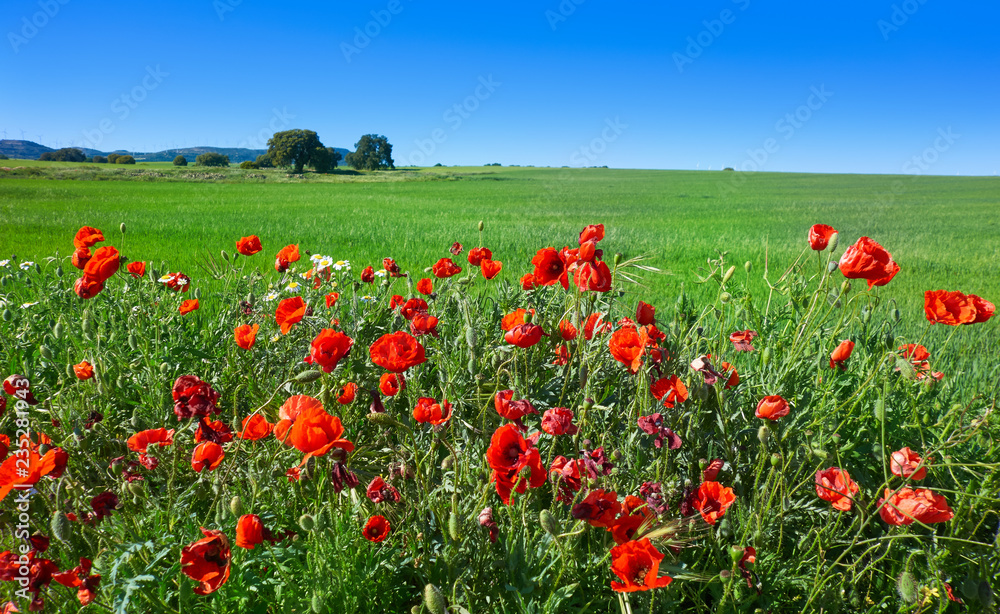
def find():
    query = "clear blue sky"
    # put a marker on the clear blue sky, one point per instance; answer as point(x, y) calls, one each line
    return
point(595, 83)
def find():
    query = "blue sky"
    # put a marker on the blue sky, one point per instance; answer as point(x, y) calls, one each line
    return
point(875, 87)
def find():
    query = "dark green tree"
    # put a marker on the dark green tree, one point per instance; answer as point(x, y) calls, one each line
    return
point(180, 161)
point(212, 158)
point(372, 153)
point(293, 148)
point(113, 158)
point(100, 160)
point(125, 160)
point(324, 159)
point(264, 161)
point(66, 154)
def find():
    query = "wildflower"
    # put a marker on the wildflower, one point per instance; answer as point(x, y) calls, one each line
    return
point(491, 268)
point(772, 407)
point(904, 463)
point(136, 269)
point(840, 355)
point(286, 256)
point(510, 409)
point(207, 455)
point(550, 268)
point(248, 246)
point(907, 505)
point(397, 352)
point(255, 427)
point(559, 421)
point(347, 393)
point(645, 314)
point(711, 472)
point(193, 398)
point(206, 561)
point(27, 264)
point(868, 260)
point(524, 335)
point(328, 348)
point(246, 335)
point(445, 268)
point(103, 505)
point(819, 236)
point(188, 306)
point(249, 531)
point(87, 236)
point(293, 286)
point(479, 254)
point(379, 491)
point(836, 486)
point(428, 412)
point(270, 296)
point(456, 248)
point(952, 308)
point(376, 529)
point(391, 383)
point(215, 431)
point(670, 390)
point(653, 425)
point(712, 500)
point(507, 455)
point(741, 340)
point(599, 508)
point(289, 312)
point(627, 347)
point(425, 286)
point(141, 441)
point(594, 277)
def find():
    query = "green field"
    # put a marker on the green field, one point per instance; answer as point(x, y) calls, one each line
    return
point(943, 231)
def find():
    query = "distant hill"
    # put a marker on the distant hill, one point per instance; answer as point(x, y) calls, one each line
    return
point(29, 150)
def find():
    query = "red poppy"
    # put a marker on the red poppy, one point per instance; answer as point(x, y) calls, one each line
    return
point(246, 335)
point(507, 455)
point(741, 340)
point(984, 309)
point(206, 561)
point(491, 268)
point(81, 257)
point(376, 529)
point(514, 318)
point(559, 421)
point(188, 306)
point(528, 282)
point(478, 254)
point(79, 578)
point(599, 508)
point(12, 471)
point(315, 432)
point(379, 491)
point(836, 486)
point(653, 425)
point(255, 427)
point(772, 407)
point(289, 312)
point(593, 232)
point(670, 390)
point(425, 286)
point(347, 393)
point(868, 260)
point(391, 383)
point(216, 430)
point(456, 248)
point(423, 324)
point(87, 288)
point(397, 352)
point(625, 527)
point(83, 370)
point(645, 314)
point(840, 355)
point(193, 397)
point(412, 307)
point(550, 268)
point(953, 308)
point(331, 299)
point(568, 475)
point(328, 348)
point(915, 352)
point(909, 504)
point(103, 264)
point(819, 236)
point(249, 531)
point(287, 255)
point(248, 246)
point(510, 409)
point(595, 325)
point(445, 268)
point(594, 277)
point(627, 347)
point(136, 269)
point(291, 410)
point(87, 237)
point(207, 455)
point(712, 500)
point(141, 441)
point(711, 472)
point(567, 331)
point(428, 412)
point(368, 275)
point(637, 563)
point(904, 463)
point(524, 335)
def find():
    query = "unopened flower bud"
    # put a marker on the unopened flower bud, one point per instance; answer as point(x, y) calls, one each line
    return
point(729, 274)
point(748, 266)
point(725, 297)
point(306, 522)
point(122, 227)
point(549, 522)
point(236, 506)
point(308, 376)
point(845, 287)
point(481, 225)
point(434, 601)
point(763, 434)
point(618, 258)
point(834, 240)
point(225, 256)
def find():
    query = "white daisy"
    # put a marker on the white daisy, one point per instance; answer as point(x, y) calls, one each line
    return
point(26, 305)
point(380, 273)
point(165, 279)
point(271, 296)
point(324, 263)
point(5, 263)
point(27, 264)
point(368, 299)
point(293, 286)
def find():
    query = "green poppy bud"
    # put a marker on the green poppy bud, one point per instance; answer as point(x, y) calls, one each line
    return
point(60, 526)
point(434, 600)
point(236, 506)
point(748, 266)
point(307, 522)
point(308, 376)
point(549, 523)
point(907, 587)
point(729, 274)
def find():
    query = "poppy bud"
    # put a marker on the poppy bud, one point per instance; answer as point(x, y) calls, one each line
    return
point(618, 258)
point(470, 338)
point(896, 315)
point(454, 527)
point(220, 514)
point(763, 434)
point(236, 506)
point(729, 274)
point(87, 325)
point(135, 488)
point(434, 601)
point(7, 315)
point(60, 526)
point(549, 522)
point(133, 342)
point(308, 376)
point(776, 460)
point(197, 293)
point(317, 605)
point(225, 256)
point(845, 287)
point(44, 448)
point(583, 381)
point(38, 268)
point(834, 239)
point(448, 463)
point(725, 297)
point(907, 587)
point(164, 368)
point(748, 266)
point(765, 356)
point(736, 553)
point(588, 403)
point(59, 271)
point(481, 226)
point(45, 352)
point(122, 227)
point(306, 522)
point(384, 419)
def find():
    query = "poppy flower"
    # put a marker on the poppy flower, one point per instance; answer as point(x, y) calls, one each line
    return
point(712, 500)
point(207, 455)
point(711, 472)
point(670, 390)
point(819, 236)
point(953, 308)
point(550, 268)
point(510, 409)
point(103, 505)
point(567, 474)
point(423, 324)
point(255, 428)
point(425, 286)
point(286, 256)
point(331, 299)
point(528, 282)
point(653, 425)
point(103, 264)
point(904, 463)
point(291, 410)
point(379, 491)
point(246, 335)
point(248, 246)
point(141, 441)
point(455, 249)
point(81, 257)
point(598, 509)
point(840, 355)
point(79, 578)
point(206, 561)
point(445, 268)
point(567, 331)
point(868, 260)
point(508, 454)
point(559, 421)
point(368, 275)
point(347, 393)
point(562, 355)
point(428, 412)
point(396, 300)
point(984, 309)
point(12, 471)
point(397, 352)
point(83, 370)
point(289, 312)
point(249, 531)
point(178, 282)
point(412, 307)
point(915, 352)
point(514, 318)
point(593, 232)
point(627, 348)
point(836, 486)
point(136, 269)
point(316, 432)
point(595, 325)
point(741, 340)
point(87, 288)
point(376, 529)
point(193, 397)
point(593, 277)
point(328, 348)
point(188, 306)
point(625, 527)
point(772, 407)
point(87, 237)
point(216, 431)
point(645, 314)
point(478, 254)
point(491, 268)
point(524, 335)
point(909, 504)
point(391, 383)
